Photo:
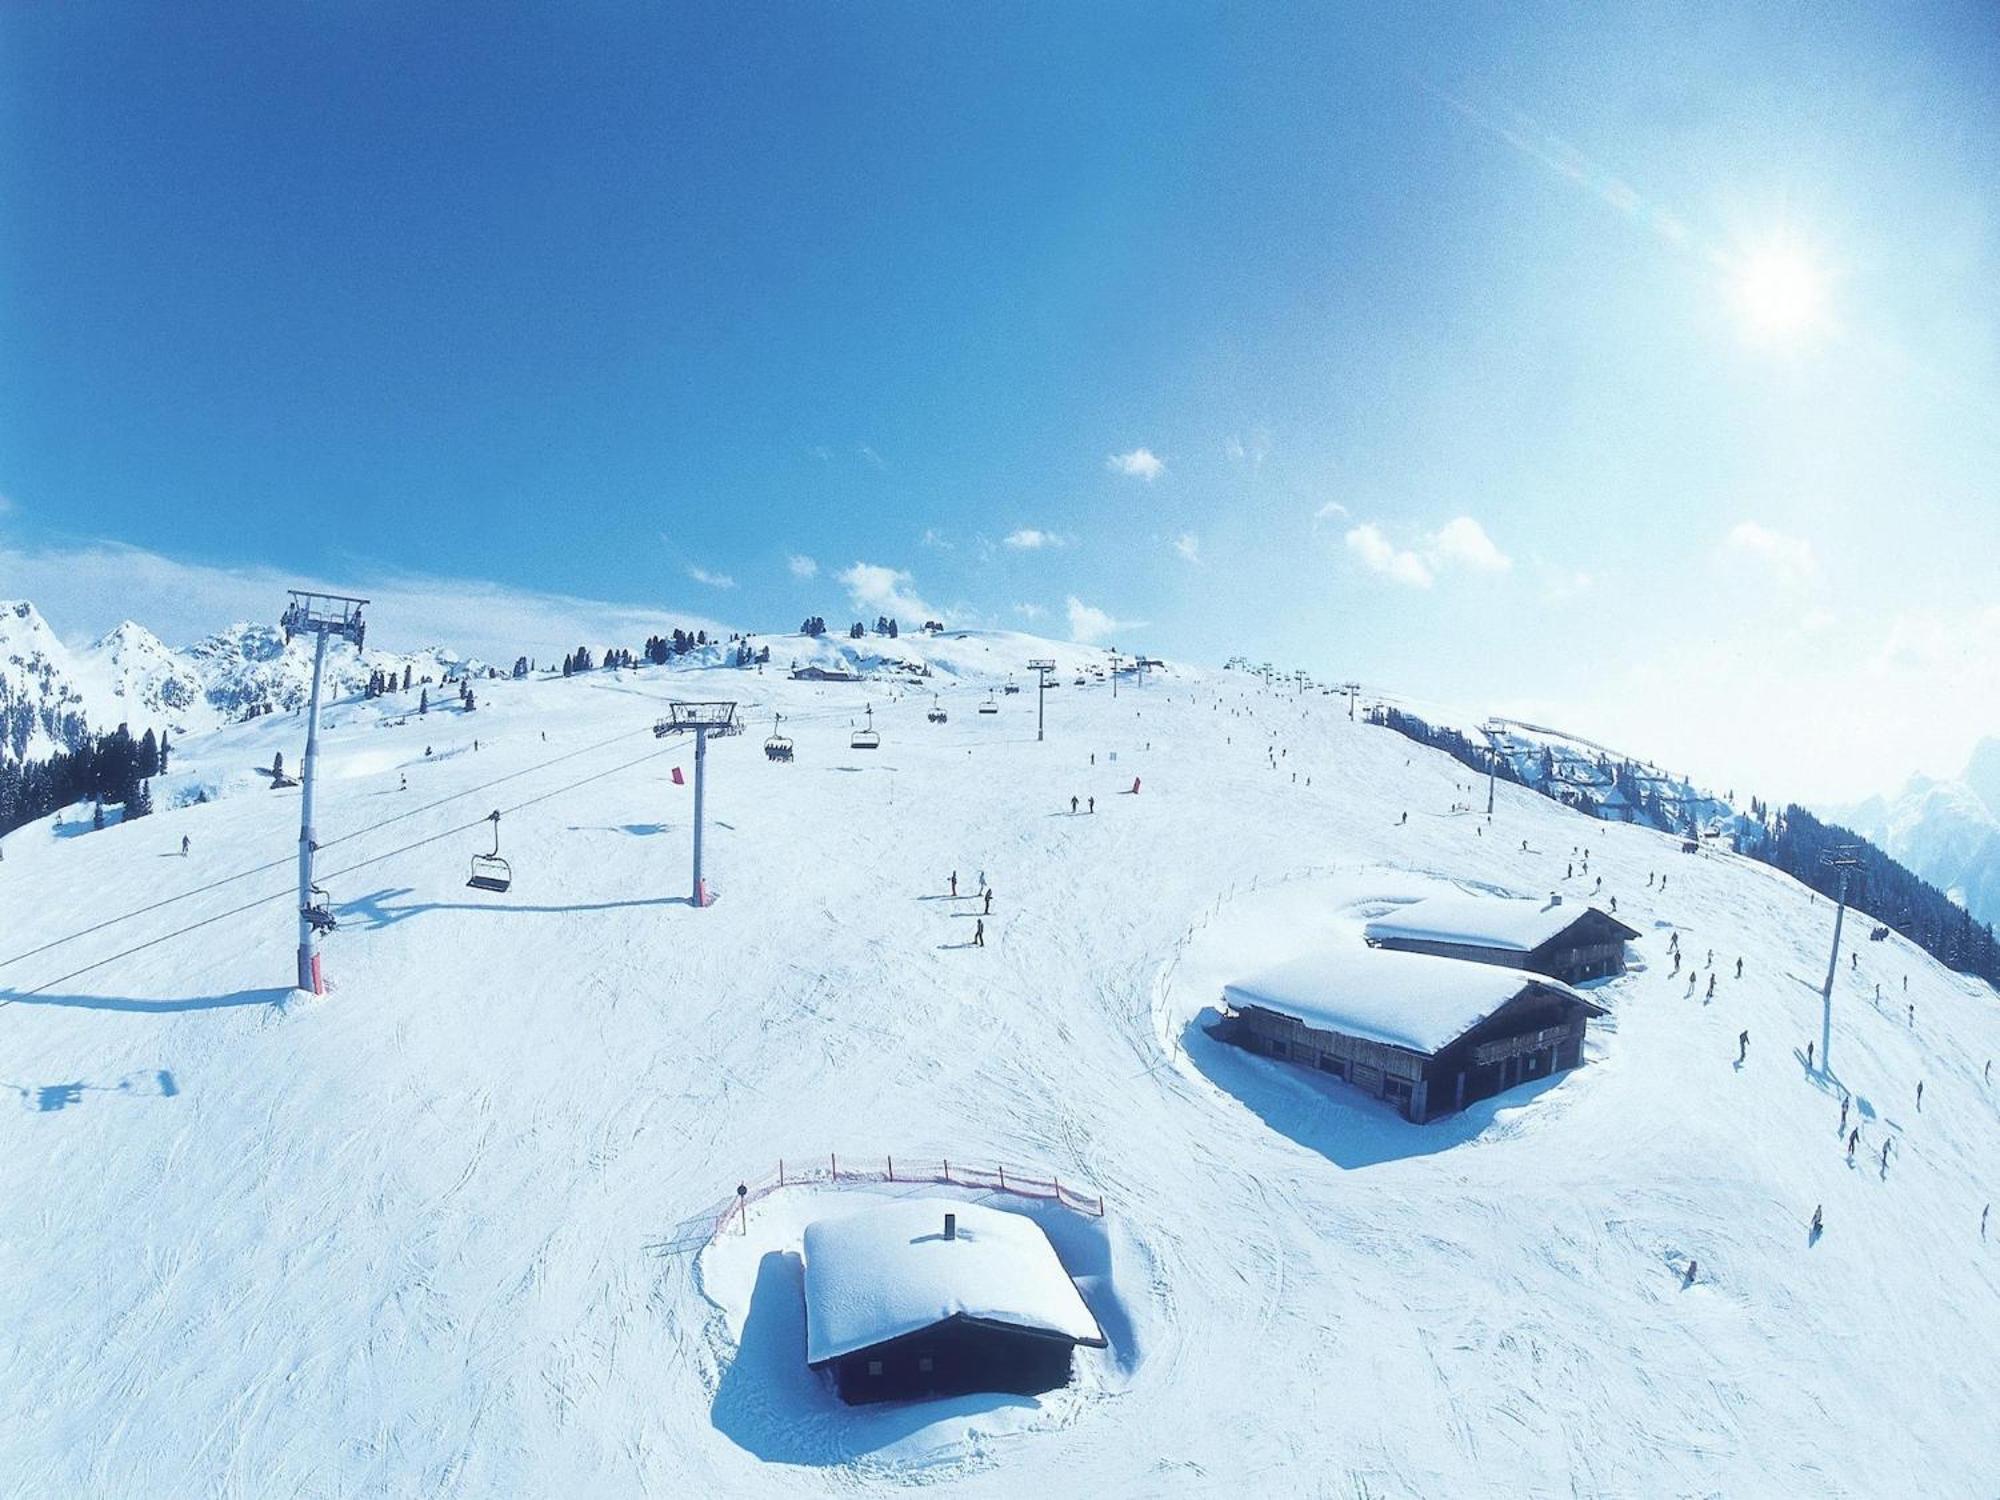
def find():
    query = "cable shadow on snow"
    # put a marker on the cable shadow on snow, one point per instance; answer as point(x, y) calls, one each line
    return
point(772, 1406)
point(375, 910)
point(275, 998)
point(1349, 1128)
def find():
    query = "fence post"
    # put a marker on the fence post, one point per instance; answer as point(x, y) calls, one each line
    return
point(834, 1161)
point(781, 1171)
point(1003, 1179)
point(892, 1169)
point(947, 1169)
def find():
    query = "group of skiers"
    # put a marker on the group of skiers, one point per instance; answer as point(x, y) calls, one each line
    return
point(982, 893)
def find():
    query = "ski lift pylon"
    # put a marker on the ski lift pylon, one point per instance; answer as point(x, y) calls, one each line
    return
point(489, 871)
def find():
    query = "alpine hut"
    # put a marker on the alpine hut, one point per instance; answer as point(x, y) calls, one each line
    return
point(1570, 943)
point(924, 1297)
point(1430, 1035)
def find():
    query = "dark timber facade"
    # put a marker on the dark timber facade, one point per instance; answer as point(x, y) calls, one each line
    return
point(1538, 1032)
point(1591, 947)
point(956, 1357)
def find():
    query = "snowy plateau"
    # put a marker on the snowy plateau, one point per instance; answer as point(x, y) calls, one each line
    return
point(452, 1227)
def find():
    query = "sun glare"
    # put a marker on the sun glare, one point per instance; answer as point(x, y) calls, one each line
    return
point(1780, 292)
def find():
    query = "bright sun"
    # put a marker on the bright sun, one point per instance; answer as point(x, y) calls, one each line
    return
point(1780, 292)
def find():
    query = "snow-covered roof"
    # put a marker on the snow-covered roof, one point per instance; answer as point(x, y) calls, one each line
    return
point(1411, 1000)
point(884, 1272)
point(1479, 921)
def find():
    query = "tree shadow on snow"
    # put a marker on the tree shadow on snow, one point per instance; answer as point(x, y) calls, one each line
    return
point(275, 998)
point(1340, 1122)
point(772, 1406)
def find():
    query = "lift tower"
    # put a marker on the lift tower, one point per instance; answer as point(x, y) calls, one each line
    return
point(701, 720)
point(1041, 666)
point(1845, 858)
point(320, 616)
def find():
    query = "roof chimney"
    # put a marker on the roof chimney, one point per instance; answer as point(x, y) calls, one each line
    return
point(951, 1226)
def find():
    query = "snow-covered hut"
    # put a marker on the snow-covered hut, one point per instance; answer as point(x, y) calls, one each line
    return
point(1431, 1035)
point(1571, 943)
point(926, 1297)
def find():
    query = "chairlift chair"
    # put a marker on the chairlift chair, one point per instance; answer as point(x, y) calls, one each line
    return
point(489, 871)
point(866, 739)
point(937, 715)
point(777, 747)
point(989, 706)
point(318, 910)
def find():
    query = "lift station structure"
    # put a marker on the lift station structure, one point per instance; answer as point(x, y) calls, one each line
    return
point(321, 616)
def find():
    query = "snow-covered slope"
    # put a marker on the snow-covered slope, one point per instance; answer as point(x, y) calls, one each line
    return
point(1946, 831)
point(42, 707)
point(445, 1230)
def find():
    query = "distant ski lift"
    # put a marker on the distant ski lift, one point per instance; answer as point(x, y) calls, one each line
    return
point(1011, 688)
point(866, 739)
point(937, 715)
point(777, 747)
point(489, 871)
point(1078, 683)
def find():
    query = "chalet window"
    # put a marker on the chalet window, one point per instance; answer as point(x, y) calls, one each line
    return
point(1279, 1049)
point(874, 1367)
point(1332, 1065)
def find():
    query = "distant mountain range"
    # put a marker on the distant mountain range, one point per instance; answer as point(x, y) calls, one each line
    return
point(1947, 831)
point(53, 697)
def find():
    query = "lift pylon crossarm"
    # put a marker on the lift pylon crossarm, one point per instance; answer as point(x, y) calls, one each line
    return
point(313, 613)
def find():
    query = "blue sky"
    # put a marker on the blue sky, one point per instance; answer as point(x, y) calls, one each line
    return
point(1639, 373)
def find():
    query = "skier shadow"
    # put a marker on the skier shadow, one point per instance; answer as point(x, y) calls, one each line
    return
point(375, 910)
point(275, 998)
point(1349, 1128)
point(773, 1407)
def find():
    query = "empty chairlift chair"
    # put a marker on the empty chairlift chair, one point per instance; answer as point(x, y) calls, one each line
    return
point(489, 871)
point(866, 739)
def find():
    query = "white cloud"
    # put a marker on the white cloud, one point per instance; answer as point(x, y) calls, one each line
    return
point(1029, 611)
point(821, 452)
point(713, 580)
point(1461, 543)
point(1189, 546)
point(932, 537)
point(1332, 510)
point(888, 591)
point(1029, 539)
point(1087, 623)
point(869, 456)
point(802, 566)
point(1464, 542)
point(1252, 450)
point(1140, 463)
point(6, 505)
point(1367, 542)
point(89, 589)
point(1788, 559)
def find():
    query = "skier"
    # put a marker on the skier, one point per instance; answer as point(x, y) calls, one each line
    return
point(989, 902)
point(1711, 988)
point(1853, 962)
point(1809, 1057)
point(1711, 959)
point(1853, 1140)
point(1913, 1012)
point(1677, 962)
point(1691, 980)
point(954, 883)
point(1739, 968)
point(1663, 882)
point(1072, 807)
point(1843, 1114)
point(1569, 871)
point(1743, 1045)
point(1093, 806)
point(1688, 1280)
point(404, 783)
point(979, 932)
point(1920, 1096)
point(1406, 817)
point(1818, 1224)
point(1982, 1219)
point(1885, 1158)
point(1649, 880)
point(1524, 846)
point(1614, 903)
point(184, 846)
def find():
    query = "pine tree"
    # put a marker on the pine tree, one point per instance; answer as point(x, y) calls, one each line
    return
point(424, 703)
point(97, 814)
point(140, 803)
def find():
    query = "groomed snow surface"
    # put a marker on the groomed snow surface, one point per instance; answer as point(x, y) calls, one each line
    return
point(442, 1231)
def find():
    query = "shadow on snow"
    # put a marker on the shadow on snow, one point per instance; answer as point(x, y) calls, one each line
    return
point(376, 909)
point(275, 997)
point(1335, 1119)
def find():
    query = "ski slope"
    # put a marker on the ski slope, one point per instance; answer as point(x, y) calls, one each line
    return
point(442, 1231)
